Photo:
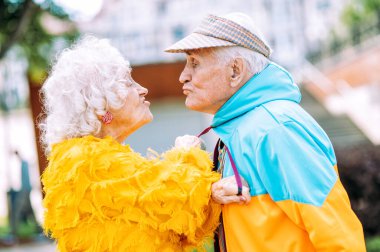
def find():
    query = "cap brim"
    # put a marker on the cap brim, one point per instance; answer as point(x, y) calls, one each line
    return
point(197, 41)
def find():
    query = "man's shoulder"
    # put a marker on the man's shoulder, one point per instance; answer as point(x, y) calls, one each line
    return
point(268, 116)
point(275, 115)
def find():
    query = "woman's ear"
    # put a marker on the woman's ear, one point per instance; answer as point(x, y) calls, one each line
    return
point(239, 72)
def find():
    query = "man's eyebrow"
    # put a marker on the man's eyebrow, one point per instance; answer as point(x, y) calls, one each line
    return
point(193, 52)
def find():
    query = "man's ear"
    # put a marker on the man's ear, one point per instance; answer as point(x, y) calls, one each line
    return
point(239, 72)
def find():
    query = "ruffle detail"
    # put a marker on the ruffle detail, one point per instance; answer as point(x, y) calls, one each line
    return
point(102, 196)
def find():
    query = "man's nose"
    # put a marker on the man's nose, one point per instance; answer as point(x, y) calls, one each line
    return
point(185, 76)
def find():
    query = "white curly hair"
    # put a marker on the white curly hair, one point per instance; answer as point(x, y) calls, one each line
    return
point(83, 84)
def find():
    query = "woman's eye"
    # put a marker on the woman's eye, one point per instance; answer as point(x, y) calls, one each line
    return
point(126, 82)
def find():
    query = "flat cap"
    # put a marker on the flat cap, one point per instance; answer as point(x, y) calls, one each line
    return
point(235, 29)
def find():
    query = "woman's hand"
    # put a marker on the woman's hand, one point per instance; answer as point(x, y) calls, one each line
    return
point(188, 141)
point(225, 191)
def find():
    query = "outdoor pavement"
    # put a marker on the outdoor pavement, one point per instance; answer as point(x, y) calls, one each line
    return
point(40, 247)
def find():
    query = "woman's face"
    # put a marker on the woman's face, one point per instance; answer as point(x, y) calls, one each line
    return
point(135, 112)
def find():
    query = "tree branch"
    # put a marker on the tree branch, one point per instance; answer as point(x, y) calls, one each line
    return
point(29, 9)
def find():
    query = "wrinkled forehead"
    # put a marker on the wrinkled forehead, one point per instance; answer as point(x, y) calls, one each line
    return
point(203, 54)
point(200, 51)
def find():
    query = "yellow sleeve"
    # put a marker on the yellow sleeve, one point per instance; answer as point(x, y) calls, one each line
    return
point(332, 226)
point(93, 195)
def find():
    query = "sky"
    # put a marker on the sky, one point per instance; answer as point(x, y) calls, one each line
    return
point(81, 10)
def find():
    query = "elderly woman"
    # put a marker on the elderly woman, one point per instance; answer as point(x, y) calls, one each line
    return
point(101, 195)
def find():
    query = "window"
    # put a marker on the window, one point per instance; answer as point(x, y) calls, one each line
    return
point(161, 8)
point(178, 32)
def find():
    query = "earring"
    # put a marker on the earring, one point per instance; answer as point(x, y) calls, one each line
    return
point(107, 118)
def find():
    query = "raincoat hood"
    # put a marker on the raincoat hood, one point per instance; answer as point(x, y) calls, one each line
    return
point(273, 83)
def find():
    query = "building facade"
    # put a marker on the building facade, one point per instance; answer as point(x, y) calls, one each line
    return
point(142, 29)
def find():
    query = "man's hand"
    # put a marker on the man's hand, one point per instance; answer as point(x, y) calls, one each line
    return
point(188, 141)
point(225, 191)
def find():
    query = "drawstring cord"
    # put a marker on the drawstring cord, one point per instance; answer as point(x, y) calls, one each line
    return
point(234, 168)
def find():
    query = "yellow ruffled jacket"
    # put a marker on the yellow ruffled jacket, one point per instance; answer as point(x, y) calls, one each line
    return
point(103, 196)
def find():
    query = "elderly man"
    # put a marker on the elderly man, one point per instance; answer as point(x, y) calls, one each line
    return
point(298, 203)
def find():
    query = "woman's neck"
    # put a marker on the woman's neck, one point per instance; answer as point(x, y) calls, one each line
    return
point(117, 134)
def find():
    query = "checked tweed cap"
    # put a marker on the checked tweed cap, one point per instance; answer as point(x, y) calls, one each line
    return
point(216, 31)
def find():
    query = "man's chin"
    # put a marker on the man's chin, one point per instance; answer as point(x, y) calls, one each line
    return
point(197, 108)
point(192, 106)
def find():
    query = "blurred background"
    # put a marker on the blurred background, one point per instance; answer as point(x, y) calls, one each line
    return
point(332, 47)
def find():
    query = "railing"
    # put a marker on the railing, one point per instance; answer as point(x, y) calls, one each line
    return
point(356, 39)
point(359, 103)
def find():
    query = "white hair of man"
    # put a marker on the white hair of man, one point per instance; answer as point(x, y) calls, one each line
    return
point(82, 86)
point(256, 61)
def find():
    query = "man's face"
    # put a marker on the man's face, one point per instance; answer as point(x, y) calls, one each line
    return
point(206, 82)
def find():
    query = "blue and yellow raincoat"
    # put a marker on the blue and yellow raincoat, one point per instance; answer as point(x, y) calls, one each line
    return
point(298, 202)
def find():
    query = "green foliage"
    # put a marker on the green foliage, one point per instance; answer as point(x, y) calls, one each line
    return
point(363, 19)
point(354, 15)
point(373, 244)
point(362, 12)
point(372, 5)
point(20, 24)
point(359, 168)
point(4, 231)
point(25, 230)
